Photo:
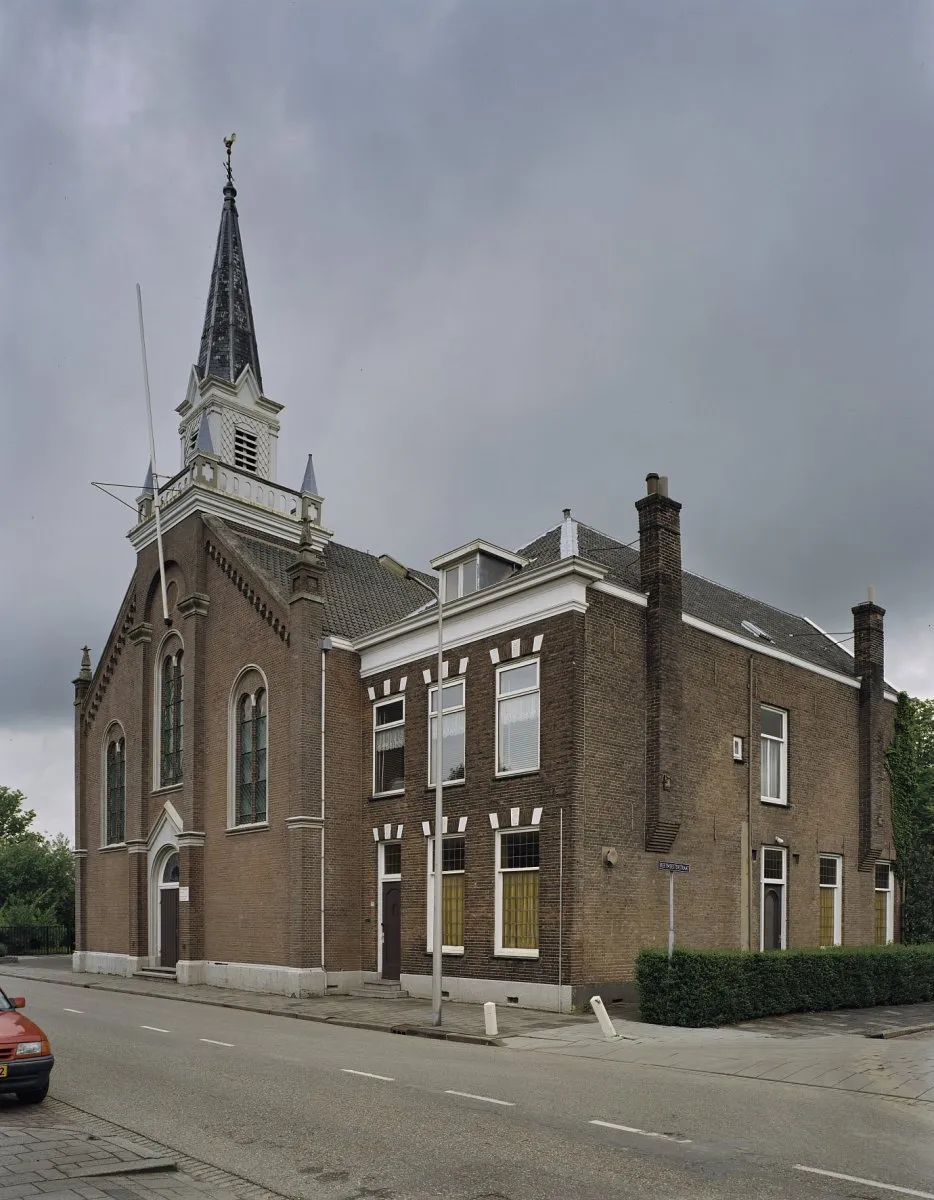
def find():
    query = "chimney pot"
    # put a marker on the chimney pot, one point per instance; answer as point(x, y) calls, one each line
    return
point(872, 594)
point(663, 485)
point(567, 514)
point(651, 483)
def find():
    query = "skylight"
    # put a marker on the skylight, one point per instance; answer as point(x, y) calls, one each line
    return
point(757, 632)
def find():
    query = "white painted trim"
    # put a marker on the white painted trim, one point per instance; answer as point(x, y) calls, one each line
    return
point(462, 707)
point(105, 784)
point(558, 588)
point(384, 703)
point(162, 842)
point(510, 666)
point(569, 541)
point(768, 651)
point(546, 997)
point(890, 696)
point(837, 890)
point(233, 701)
point(477, 546)
point(782, 798)
point(381, 878)
point(890, 900)
point(621, 593)
point(167, 638)
point(339, 643)
point(763, 882)
point(499, 951)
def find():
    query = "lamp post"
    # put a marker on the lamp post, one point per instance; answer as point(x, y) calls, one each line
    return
point(437, 932)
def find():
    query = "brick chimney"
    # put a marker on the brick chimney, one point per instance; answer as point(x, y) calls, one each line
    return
point(869, 652)
point(660, 564)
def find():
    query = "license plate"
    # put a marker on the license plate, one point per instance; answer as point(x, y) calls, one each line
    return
point(2, 1070)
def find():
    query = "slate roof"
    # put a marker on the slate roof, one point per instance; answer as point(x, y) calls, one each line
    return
point(703, 599)
point(360, 594)
point(228, 340)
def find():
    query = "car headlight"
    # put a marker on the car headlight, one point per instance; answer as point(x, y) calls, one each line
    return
point(28, 1048)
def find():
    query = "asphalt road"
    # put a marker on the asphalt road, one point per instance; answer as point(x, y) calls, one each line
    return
point(333, 1114)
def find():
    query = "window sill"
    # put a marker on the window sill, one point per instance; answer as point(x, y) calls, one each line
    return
point(256, 827)
point(169, 787)
point(448, 951)
point(445, 783)
point(111, 847)
point(771, 800)
point(529, 954)
point(517, 774)
point(387, 795)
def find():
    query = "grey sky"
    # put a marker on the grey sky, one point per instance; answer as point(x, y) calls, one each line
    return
point(504, 257)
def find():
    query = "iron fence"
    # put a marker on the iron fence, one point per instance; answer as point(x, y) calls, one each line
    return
point(37, 939)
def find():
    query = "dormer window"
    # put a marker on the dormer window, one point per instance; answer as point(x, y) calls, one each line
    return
point(245, 450)
point(475, 567)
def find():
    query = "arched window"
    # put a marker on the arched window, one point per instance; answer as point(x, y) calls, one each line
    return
point(115, 789)
point(171, 717)
point(250, 762)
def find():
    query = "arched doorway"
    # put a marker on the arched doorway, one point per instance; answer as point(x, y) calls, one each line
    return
point(168, 911)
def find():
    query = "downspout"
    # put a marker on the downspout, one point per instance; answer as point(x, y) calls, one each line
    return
point(750, 744)
point(560, 900)
point(325, 646)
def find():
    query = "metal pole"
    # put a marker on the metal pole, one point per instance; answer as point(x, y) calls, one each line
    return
point(671, 914)
point(156, 507)
point(438, 933)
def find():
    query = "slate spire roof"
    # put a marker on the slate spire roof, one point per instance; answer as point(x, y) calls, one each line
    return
point(228, 341)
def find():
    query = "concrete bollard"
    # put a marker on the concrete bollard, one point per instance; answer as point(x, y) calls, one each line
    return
point(489, 1018)
point(606, 1025)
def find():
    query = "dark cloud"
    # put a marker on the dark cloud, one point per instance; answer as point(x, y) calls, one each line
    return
point(503, 258)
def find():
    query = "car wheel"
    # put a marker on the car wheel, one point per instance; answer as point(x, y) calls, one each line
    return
point(34, 1095)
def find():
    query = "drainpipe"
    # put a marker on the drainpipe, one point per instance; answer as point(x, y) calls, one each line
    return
point(749, 871)
point(325, 647)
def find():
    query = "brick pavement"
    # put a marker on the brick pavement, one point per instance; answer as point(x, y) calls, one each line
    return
point(55, 1152)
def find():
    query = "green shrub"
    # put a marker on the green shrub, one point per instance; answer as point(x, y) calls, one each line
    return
point(721, 987)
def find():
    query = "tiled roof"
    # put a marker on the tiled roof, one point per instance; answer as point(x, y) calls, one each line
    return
point(360, 594)
point(703, 599)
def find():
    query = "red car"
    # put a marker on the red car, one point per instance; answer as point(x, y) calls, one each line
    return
point(25, 1054)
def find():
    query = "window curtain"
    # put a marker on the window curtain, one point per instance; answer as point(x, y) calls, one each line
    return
point(518, 732)
point(520, 910)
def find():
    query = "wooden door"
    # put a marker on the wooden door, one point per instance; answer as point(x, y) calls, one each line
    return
point(168, 918)
point(392, 930)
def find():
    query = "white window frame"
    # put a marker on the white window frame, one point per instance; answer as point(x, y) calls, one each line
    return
point(382, 703)
point(383, 877)
point(462, 707)
point(170, 645)
point(763, 882)
point(782, 798)
point(501, 951)
point(500, 671)
point(448, 837)
point(474, 562)
point(889, 903)
point(837, 889)
point(245, 686)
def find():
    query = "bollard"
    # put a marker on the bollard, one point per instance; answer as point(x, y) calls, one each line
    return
point(606, 1025)
point(489, 1018)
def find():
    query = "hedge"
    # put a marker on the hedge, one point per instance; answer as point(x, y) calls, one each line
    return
point(721, 987)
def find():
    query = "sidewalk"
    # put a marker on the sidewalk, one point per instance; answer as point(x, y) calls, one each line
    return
point(462, 1022)
point(53, 1152)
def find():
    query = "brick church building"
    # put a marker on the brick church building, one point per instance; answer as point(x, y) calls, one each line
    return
point(254, 774)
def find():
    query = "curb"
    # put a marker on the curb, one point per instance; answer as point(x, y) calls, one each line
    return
point(427, 1031)
point(908, 1029)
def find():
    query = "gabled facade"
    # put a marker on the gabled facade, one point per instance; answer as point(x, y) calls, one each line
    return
point(254, 776)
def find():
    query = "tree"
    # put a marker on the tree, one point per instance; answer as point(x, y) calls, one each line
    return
point(36, 872)
point(15, 818)
point(910, 761)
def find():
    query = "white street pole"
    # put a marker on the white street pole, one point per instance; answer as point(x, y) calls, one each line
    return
point(438, 933)
point(671, 914)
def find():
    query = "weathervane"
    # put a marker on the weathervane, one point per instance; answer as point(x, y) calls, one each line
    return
point(228, 142)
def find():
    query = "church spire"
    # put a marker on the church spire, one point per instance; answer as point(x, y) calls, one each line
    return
point(228, 341)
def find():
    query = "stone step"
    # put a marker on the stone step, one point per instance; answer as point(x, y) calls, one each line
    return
point(381, 989)
point(155, 973)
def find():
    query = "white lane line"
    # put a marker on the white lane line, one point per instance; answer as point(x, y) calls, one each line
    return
point(885, 1187)
point(154, 1028)
point(668, 1137)
point(368, 1075)
point(79, 1011)
point(211, 1042)
point(485, 1099)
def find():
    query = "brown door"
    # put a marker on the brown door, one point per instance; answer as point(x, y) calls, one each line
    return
point(392, 930)
point(168, 917)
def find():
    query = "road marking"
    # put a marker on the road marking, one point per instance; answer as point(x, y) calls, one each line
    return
point(154, 1028)
point(485, 1099)
point(886, 1187)
point(368, 1075)
point(79, 1011)
point(668, 1137)
point(211, 1042)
